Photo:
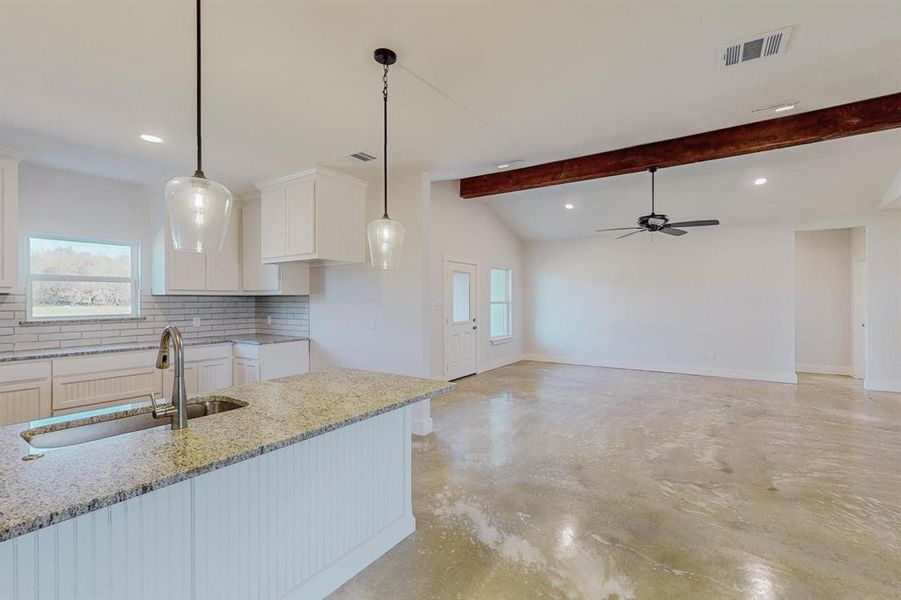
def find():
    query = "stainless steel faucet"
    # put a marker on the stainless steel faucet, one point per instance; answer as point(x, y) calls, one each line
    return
point(178, 408)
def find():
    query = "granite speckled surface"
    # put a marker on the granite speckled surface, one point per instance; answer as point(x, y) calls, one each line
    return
point(68, 482)
point(259, 339)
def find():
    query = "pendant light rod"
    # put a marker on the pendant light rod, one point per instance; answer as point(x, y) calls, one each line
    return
point(386, 58)
point(385, 139)
point(199, 171)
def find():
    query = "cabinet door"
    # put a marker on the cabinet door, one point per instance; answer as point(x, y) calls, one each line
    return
point(223, 269)
point(190, 381)
point(300, 217)
point(114, 387)
point(273, 229)
point(9, 223)
point(213, 374)
point(255, 276)
point(24, 400)
point(186, 270)
point(246, 371)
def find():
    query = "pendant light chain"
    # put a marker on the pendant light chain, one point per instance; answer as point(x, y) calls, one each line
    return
point(199, 172)
point(385, 139)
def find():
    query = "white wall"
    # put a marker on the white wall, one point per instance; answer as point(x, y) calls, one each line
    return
point(366, 318)
point(469, 231)
point(718, 301)
point(823, 301)
point(59, 202)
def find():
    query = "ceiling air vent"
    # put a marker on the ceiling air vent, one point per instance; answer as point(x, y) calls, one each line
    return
point(765, 45)
point(362, 156)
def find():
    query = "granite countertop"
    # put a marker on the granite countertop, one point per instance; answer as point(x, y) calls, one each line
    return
point(259, 339)
point(67, 482)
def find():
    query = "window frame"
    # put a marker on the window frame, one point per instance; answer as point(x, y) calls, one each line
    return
point(134, 280)
point(501, 339)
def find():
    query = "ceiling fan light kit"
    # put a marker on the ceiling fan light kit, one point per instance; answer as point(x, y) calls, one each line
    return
point(659, 223)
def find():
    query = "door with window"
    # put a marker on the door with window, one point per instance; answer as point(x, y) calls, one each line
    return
point(461, 320)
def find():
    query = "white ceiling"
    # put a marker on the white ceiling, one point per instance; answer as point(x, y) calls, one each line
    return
point(291, 84)
point(835, 179)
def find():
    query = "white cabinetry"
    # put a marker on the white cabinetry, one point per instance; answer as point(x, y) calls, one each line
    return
point(103, 380)
point(259, 278)
point(177, 272)
point(206, 368)
point(316, 216)
point(254, 363)
point(9, 221)
point(24, 391)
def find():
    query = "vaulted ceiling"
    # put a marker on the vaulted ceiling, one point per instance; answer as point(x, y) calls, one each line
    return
point(291, 84)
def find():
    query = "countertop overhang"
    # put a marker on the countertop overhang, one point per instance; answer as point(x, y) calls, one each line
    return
point(67, 482)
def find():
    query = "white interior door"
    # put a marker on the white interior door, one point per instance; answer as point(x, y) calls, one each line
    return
point(859, 317)
point(461, 320)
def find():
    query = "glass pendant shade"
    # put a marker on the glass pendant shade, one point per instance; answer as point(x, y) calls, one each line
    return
point(386, 241)
point(199, 211)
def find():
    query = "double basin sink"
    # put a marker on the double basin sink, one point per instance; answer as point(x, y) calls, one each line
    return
point(88, 428)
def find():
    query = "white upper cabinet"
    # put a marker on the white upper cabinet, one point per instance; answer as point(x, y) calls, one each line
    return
point(9, 221)
point(177, 272)
point(262, 279)
point(316, 216)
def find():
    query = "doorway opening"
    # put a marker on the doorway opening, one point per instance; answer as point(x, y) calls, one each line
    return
point(830, 301)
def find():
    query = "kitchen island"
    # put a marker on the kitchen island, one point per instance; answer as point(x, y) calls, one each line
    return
point(287, 496)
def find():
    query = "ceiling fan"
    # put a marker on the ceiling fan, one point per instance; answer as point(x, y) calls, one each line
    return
point(654, 222)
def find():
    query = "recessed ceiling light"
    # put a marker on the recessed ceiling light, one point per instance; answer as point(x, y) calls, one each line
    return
point(153, 139)
point(503, 165)
point(783, 107)
point(760, 181)
point(569, 206)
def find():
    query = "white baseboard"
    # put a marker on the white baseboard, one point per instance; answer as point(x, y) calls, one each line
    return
point(774, 376)
point(497, 364)
point(882, 385)
point(824, 369)
point(357, 559)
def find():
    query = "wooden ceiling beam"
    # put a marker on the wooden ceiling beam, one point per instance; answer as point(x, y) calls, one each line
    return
point(865, 116)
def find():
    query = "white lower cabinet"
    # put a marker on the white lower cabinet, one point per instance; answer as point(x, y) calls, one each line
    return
point(245, 370)
point(206, 368)
point(268, 361)
point(103, 380)
point(24, 392)
point(32, 390)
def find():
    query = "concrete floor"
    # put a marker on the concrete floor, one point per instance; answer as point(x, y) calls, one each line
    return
point(560, 481)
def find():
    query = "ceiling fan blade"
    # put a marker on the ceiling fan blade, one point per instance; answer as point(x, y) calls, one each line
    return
point(695, 223)
point(668, 230)
point(628, 234)
point(618, 229)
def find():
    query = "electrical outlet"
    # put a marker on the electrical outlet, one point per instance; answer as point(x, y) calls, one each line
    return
point(195, 321)
point(269, 320)
point(711, 355)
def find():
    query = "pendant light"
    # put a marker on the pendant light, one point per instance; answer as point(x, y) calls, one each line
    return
point(386, 237)
point(198, 208)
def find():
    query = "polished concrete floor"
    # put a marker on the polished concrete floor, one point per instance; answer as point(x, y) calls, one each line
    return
point(560, 481)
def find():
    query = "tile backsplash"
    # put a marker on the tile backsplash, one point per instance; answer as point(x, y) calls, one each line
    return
point(219, 316)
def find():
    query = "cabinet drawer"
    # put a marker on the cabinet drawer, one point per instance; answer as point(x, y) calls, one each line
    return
point(198, 353)
point(104, 363)
point(24, 371)
point(251, 351)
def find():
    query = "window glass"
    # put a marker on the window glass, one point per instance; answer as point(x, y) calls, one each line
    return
point(70, 279)
point(461, 285)
point(501, 308)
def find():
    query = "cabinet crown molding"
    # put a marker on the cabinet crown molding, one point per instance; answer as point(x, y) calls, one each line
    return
point(276, 181)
